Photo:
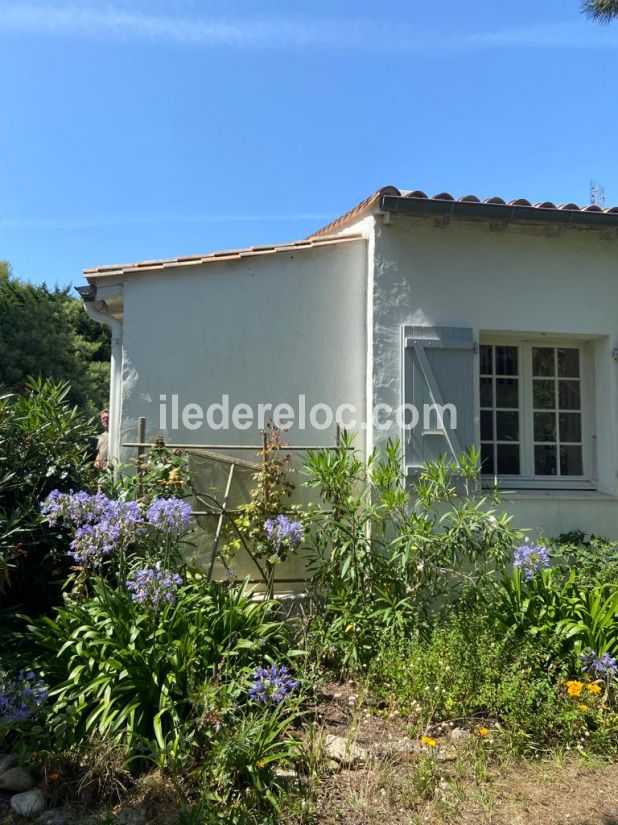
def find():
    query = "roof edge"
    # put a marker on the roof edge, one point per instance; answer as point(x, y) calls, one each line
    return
point(494, 210)
point(228, 255)
point(361, 209)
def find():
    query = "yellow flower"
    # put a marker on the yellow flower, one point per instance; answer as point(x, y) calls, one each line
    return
point(261, 763)
point(583, 708)
point(427, 740)
point(574, 687)
point(483, 731)
point(593, 688)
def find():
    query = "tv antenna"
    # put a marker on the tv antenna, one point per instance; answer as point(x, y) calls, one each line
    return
point(597, 194)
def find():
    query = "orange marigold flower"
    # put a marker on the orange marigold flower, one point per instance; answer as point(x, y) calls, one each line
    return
point(574, 687)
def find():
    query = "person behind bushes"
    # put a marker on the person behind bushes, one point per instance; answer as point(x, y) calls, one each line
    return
point(101, 461)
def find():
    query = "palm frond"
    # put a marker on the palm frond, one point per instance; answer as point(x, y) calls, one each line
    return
point(601, 10)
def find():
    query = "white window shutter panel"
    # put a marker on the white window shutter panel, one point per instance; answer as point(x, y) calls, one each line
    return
point(438, 369)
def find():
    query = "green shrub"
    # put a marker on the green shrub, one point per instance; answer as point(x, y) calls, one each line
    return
point(115, 671)
point(593, 559)
point(384, 561)
point(45, 444)
point(559, 611)
point(466, 669)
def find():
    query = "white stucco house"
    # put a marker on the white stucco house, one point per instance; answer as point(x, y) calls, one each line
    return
point(507, 311)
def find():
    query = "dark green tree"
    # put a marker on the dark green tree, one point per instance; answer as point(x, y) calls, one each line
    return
point(601, 10)
point(46, 333)
point(45, 444)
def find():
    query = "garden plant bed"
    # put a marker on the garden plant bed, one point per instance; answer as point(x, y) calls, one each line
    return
point(444, 666)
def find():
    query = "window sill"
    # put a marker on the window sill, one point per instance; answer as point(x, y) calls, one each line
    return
point(553, 495)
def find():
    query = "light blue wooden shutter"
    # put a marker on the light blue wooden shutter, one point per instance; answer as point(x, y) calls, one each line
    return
point(438, 368)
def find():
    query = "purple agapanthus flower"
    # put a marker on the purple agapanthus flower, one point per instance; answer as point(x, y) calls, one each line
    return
point(283, 532)
point(598, 666)
point(154, 586)
point(75, 509)
point(119, 526)
point(170, 515)
point(94, 541)
point(271, 684)
point(21, 698)
point(530, 558)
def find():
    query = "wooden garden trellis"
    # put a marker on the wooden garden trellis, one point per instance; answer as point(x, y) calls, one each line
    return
point(220, 508)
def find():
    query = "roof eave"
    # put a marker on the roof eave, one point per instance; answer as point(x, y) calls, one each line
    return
point(508, 213)
point(93, 275)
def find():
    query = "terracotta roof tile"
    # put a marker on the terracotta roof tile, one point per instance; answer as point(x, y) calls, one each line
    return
point(363, 208)
point(211, 257)
point(371, 203)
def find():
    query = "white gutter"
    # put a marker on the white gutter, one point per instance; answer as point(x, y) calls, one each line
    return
point(99, 312)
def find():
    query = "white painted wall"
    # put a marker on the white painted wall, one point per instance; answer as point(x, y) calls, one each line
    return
point(517, 280)
point(261, 329)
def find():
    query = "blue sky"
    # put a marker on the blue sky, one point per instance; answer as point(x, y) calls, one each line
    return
point(136, 129)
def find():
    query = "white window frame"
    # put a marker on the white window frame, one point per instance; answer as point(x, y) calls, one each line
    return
point(527, 478)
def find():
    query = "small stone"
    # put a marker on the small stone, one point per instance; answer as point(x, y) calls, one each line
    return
point(30, 803)
point(286, 774)
point(459, 734)
point(7, 760)
point(52, 817)
point(401, 750)
point(16, 780)
point(132, 816)
point(447, 754)
point(343, 752)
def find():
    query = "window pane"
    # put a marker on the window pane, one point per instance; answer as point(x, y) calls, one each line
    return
point(570, 426)
point(487, 395)
point(571, 463)
point(507, 394)
point(487, 365)
point(487, 458)
point(568, 394)
point(508, 459)
point(568, 363)
point(545, 461)
point(543, 395)
point(506, 360)
point(543, 361)
point(507, 426)
point(545, 426)
point(487, 425)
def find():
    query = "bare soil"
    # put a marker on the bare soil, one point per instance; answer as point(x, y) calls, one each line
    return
point(460, 784)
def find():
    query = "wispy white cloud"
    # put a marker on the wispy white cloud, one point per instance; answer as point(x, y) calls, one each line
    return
point(128, 22)
point(144, 220)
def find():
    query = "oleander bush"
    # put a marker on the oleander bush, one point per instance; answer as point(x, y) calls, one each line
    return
point(383, 565)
